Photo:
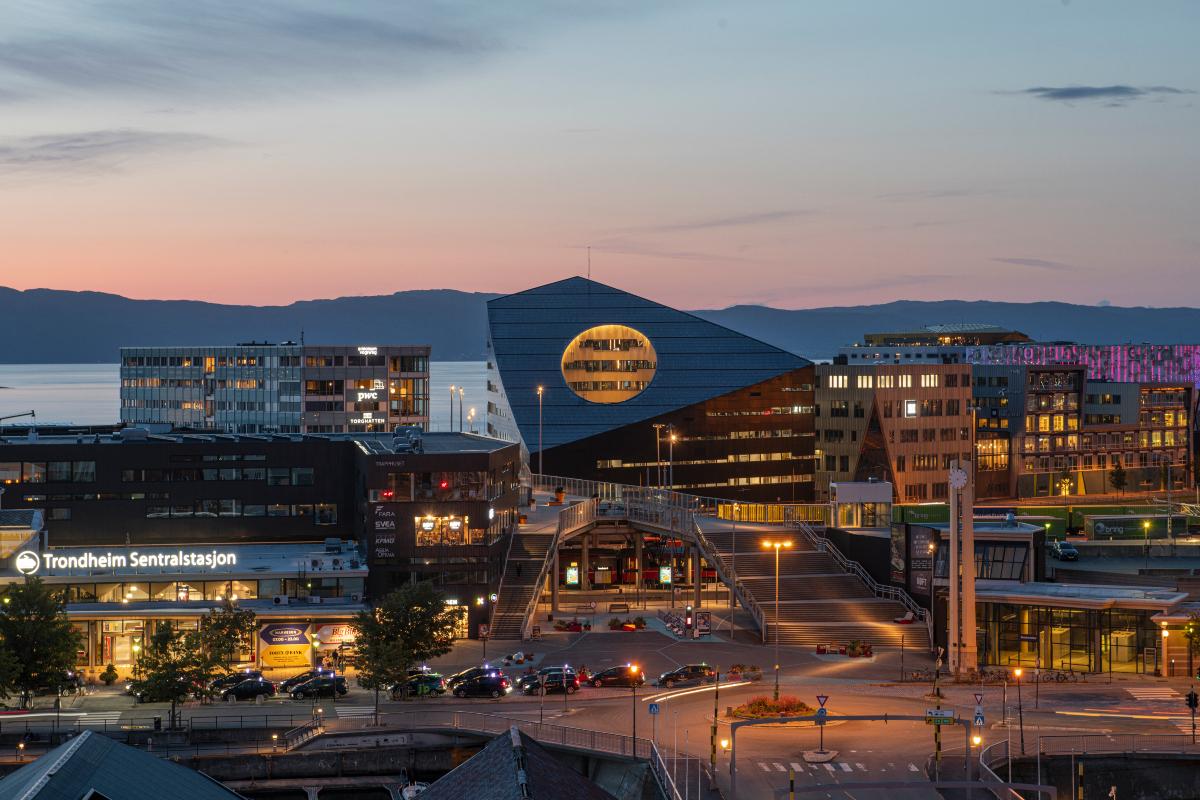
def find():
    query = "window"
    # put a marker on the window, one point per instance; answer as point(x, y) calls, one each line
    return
point(302, 476)
point(34, 472)
point(929, 380)
point(865, 381)
point(279, 476)
point(910, 408)
point(254, 511)
point(839, 381)
point(278, 510)
point(326, 514)
point(906, 381)
point(10, 471)
point(83, 471)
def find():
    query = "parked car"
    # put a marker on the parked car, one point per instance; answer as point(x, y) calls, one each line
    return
point(304, 677)
point(468, 674)
point(624, 675)
point(493, 685)
point(689, 674)
point(557, 679)
point(249, 689)
point(233, 679)
point(1064, 550)
point(420, 685)
point(324, 686)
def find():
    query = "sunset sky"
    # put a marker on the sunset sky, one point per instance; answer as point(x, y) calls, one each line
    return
point(794, 154)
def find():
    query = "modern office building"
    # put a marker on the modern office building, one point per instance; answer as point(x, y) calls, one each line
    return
point(276, 388)
point(902, 424)
point(601, 384)
point(139, 528)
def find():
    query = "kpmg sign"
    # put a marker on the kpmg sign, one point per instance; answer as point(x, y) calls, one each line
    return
point(29, 562)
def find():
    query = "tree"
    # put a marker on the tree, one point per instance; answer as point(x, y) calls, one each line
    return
point(37, 634)
point(174, 665)
point(227, 631)
point(1117, 477)
point(408, 626)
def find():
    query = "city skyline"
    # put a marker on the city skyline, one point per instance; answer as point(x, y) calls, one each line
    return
point(708, 156)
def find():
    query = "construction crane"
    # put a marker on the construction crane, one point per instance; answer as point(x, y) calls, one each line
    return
point(18, 416)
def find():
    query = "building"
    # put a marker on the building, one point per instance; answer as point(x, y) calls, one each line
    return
point(276, 388)
point(902, 424)
point(601, 384)
point(141, 528)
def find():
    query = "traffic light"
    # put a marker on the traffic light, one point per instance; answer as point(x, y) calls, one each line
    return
point(1192, 700)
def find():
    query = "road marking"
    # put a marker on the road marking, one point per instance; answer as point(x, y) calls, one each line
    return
point(664, 697)
point(860, 766)
point(765, 766)
point(796, 765)
point(913, 768)
point(1164, 693)
point(780, 767)
point(354, 711)
point(846, 767)
point(829, 766)
point(100, 717)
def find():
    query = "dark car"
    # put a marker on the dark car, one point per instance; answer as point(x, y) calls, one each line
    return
point(304, 677)
point(423, 684)
point(233, 679)
point(468, 674)
point(625, 675)
point(324, 686)
point(493, 684)
point(249, 689)
point(1064, 551)
point(689, 674)
point(556, 679)
point(142, 692)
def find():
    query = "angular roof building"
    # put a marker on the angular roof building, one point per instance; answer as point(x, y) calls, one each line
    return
point(595, 381)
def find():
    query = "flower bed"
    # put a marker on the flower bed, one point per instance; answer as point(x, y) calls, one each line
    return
point(633, 624)
point(764, 708)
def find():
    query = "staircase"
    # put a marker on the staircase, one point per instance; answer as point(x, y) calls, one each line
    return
point(820, 602)
point(526, 556)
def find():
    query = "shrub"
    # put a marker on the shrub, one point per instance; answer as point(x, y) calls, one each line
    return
point(762, 707)
point(109, 676)
point(639, 621)
point(614, 623)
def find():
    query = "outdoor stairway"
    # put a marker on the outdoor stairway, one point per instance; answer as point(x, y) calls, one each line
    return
point(819, 602)
point(525, 560)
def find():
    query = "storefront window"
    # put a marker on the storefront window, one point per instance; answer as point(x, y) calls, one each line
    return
point(163, 592)
point(436, 531)
point(326, 514)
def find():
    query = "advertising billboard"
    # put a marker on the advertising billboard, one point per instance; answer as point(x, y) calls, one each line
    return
point(284, 644)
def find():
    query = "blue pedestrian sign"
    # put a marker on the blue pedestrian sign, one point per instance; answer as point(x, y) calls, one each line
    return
point(978, 719)
point(653, 709)
point(822, 712)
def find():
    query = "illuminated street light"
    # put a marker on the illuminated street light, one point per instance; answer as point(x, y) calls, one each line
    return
point(776, 545)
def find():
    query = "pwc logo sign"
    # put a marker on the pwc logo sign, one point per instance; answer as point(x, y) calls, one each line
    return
point(27, 562)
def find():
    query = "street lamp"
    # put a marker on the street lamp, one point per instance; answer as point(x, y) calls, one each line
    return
point(1165, 634)
point(452, 388)
point(471, 420)
point(658, 465)
point(481, 601)
point(1020, 709)
point(633, 672)
point(777, 545)
point(671, 459)
point(460, 407)
point(541, 391)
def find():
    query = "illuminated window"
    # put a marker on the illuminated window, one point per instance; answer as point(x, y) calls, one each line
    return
point(910, 408)
point(906, 381)
point(839, 381)
point(865, 381)
point(609, 364)
point(929, 380)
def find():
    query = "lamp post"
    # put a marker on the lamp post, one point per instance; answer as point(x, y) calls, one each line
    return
point(541, 391)
point(671, 459)
point(471, 420)
point(777, 545)
point(460, 409)
point(1020, 709)
point(452, 388)
point(1165, 634)
point(658, 465)
point(633, 672)
point(1146, 540)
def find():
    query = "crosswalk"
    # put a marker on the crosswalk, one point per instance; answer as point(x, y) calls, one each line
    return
point(1154, 693)
point(107, 719)
point(829, 767)
point(353, 711)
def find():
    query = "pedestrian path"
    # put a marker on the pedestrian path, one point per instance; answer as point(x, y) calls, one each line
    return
point(832, 767)
point(1154, 693)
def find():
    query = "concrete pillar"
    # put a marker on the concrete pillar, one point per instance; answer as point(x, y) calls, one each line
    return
point(637, 563)
point(554, 584)
point(697, 576)
point(584, 542)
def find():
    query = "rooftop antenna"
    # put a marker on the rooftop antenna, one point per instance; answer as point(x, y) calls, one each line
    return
point(589, 257)
point(302, 337)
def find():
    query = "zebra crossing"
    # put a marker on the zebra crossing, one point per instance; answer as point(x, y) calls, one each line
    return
point(353, 711)
point(1154, 693)
point(107, 719)
point(827, 768)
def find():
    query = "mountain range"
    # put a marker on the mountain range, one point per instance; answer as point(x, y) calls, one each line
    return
point(55, 326)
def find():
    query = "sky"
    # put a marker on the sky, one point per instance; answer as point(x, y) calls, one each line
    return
point(793, 154)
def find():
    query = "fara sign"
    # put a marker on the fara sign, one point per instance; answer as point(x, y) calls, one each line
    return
point(29, 562)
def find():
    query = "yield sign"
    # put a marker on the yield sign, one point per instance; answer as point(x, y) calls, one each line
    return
point(821, 698)
point(979, 699)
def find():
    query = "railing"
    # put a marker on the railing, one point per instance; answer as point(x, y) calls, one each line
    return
point(1117, 743)
point(570, 519)
point(299, 735)
point(996, 753)
point(771, 513)
point(729, 578)
point(853, 567)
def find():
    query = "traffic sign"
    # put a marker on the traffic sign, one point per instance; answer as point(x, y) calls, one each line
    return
point(653, 709)
point(821, 698)
point(822, 715)
point(939, 716)
point(978, 699)
point(978, 719)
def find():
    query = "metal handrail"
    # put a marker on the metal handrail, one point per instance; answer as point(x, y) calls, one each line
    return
point(728, 577)
point(570, 519)
point(997, 786)
point(895, 593)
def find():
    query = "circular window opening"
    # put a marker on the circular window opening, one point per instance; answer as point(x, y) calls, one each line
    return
point(609, 364)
